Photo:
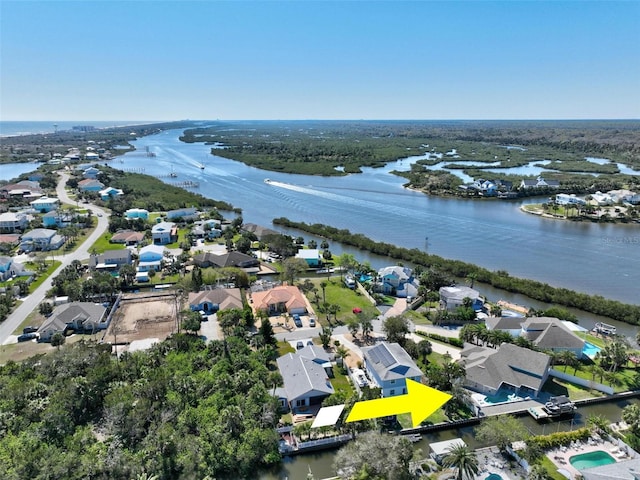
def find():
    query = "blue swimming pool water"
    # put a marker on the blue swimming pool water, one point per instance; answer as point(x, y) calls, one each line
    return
point(591, 459)
point(590, 349)
point(500, 397)
point(493, 476)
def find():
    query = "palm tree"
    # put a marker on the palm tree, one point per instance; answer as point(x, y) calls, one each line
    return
point(366, 326)
point(631, 416)
point(463, 460)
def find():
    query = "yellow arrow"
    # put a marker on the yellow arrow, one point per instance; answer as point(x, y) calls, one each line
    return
point(420, 401)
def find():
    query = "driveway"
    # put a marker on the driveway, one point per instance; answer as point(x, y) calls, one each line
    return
point(30, 302)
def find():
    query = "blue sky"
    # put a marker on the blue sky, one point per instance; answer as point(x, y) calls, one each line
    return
point(164, 60)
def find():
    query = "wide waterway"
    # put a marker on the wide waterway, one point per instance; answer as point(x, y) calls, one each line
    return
point(594, 258)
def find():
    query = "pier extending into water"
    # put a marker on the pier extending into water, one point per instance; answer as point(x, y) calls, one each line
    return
point(186, 184)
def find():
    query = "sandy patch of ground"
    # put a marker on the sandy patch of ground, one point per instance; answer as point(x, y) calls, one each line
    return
point(142, 317)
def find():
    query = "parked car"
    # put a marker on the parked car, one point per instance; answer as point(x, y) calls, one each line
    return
point(299, 345)
point(25, 337)
point(312, 322)
point(296, 320)
point(29, 329)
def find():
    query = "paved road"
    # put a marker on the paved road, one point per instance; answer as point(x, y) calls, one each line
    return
point(82, 252)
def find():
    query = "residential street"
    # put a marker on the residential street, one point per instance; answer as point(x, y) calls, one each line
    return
point(82, 252)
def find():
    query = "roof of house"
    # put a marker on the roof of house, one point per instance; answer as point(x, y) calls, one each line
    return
point(308, 253)
point(459, 292)
point(443, 448)
point(105, 257)
point(127, 236)
point(158, 249)
point(225, 298)
point(163, 227)
point(403, 273)
point(549, 332)
point(12, 217)
point(259, 230)
point(90, 182)
point(39, 233)
point(509, 364)
point(287, 294)
point(390, 361)
point(70, 312)
point(231, 259)
point(44, 200)
point(504, 323)
point(303, 377)
point(9, 238)
point(4, 259)
point(111, 190)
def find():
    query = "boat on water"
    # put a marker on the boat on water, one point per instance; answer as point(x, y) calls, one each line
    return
point(173, 174)
point(202, 166)
point(605, 328)
point(267, 180)
point(560, 405)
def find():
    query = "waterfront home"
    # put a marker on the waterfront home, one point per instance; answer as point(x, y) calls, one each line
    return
point(454, 297)
point(11, 222)
point(258, 230)
point(42, 239)
point(569, 199)
point(45, 204)
point(232, 259)
point(622, 196)
point(91, 172)
point(625, 468)
point(133, 213)
point(539, 183)
point(397, 281)
point(510, 325)
point(200, 230)
point(183, 213)
point(110, 259)
point(81, 317)
point(90, 185)
point(310, 255)
point(548, 333)
point(439, 450)
point(151, 257)
point(211, 301)
point(510, 367)
point(306, 382)
point(602, 198)
point(389, 366)
point(281, 299)
point(109, 193)
point(164, 232)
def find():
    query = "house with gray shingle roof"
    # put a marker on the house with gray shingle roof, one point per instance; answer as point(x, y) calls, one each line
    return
point(453, 297)
point(397, 281)
point(389, 365)
point(548, 333)
point(620, 470)
point(306, 381)
point(514, 368)
point(210, 301)
point(78, 316)
point(511, 325)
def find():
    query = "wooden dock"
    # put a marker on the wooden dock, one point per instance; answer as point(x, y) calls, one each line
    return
point(538, 413)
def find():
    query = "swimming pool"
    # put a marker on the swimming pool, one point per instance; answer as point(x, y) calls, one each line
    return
point(590, 349)
point(493, 476)
point(501, 396)
point(591, 459)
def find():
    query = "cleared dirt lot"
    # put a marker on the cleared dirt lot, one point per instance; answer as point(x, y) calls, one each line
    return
point(143, 316)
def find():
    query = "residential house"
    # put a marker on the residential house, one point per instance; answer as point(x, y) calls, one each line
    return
point(45, 204)
point(206, 229)
point(439, 450)
point(310, 255)
point(164, 232)
point(90, 185)
point(57, 218)
point(539, 183)
point(11, 222)
point(183, 213)
point(510, 367)
point(91, 172)
point(91, 157)
point(625, 196)
point(110, 259)
point(128, 237)
point(569, 199)
point(624, 468)
point(259, 230)
point(602, 198)
point(484, 187)
point(281, 299)
point(306, 381)
point(12, 239)
point(24, 188)
point(388, 366)
point(82, 317)
point(210, 301)
point(109, 193)
point(137, 213)
point(42, 239)
point(548, 333)
point(232, 259)
point(454, 297)
point(511, 325)
point(151, 257)
point(397, 281)
point(9, 268)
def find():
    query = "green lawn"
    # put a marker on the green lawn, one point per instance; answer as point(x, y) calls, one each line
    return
point(338, 294)
point(102, 244)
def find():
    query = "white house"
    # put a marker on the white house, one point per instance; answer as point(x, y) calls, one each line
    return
point(42, 239)
point(566, 199)
point(190, 213)
point(110, 192)
point(398, 281)
point(137, 213)
point(150, 257)
point(311, 256)
point(389, 365)
point(10, 222)
point(164, 232)
point(453, 297)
